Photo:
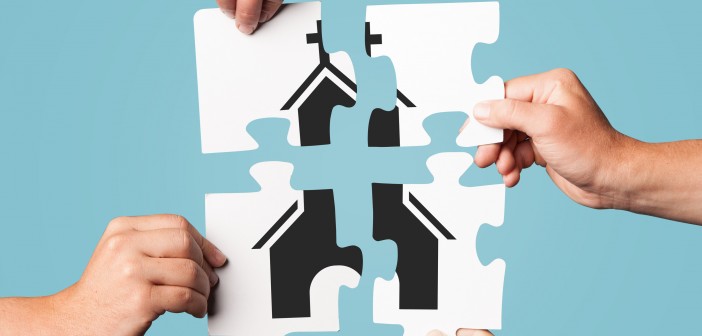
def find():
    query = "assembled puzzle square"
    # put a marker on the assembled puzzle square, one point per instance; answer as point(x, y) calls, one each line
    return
point(287, 264)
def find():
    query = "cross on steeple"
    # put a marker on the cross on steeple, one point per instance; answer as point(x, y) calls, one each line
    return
point(372, 39)
point(313, 38)
point(325, 63)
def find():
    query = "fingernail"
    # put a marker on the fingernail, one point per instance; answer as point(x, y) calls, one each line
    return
point(481, 111)
point(246, 29)
point(466, 332)
point(229, 13)
point(219, 255)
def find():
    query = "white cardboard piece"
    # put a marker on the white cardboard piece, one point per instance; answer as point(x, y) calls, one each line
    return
point(235, 223)
point(431, 47)
point(242, 78)
point(470, 294)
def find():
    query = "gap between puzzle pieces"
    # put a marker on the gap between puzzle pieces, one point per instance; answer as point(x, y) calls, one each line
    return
point(458, 272)
point(431, 62)
point(319, 167)
point(346, 140)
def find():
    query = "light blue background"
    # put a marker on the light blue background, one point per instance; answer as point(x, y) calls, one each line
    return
point(99, 118)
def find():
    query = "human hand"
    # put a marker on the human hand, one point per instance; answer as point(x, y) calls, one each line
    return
point(249, 13)
point(550, 119)
point(141, 268)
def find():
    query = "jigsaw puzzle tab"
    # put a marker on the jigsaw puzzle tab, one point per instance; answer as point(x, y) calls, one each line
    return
point(431, 47)
point(442, 128)
point(468, 294)
point(270, 133)
point(286, 269)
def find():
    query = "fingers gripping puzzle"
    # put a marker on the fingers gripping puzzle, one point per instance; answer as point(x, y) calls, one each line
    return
point(349, 235)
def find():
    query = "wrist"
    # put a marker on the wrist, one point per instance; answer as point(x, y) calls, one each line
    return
point(640, 184)
point(58, 312)
point(31, 316)
point(654, 179)
point(620, 185)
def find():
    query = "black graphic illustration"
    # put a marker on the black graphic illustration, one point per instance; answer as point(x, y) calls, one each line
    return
point(309, 244)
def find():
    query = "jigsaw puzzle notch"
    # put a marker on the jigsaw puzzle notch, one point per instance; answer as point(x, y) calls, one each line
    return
point(272, 175)
point(448, 168)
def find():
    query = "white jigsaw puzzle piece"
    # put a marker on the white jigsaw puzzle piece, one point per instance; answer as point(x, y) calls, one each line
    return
point(235, 223)
point(470, 294)
point(242, 78)
point(431, 47)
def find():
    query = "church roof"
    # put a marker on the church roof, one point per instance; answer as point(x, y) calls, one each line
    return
point(325, 63)
point(442, 230)
point(341, 76)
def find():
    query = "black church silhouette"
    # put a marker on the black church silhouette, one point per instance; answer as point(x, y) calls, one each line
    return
point(309, 244)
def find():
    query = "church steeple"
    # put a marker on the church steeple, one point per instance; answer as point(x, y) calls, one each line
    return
point(325, 63)
point(372, 39)
point(313, 38)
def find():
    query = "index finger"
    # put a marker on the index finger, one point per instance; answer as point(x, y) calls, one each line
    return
point(535, 88)
point(212, 254)
point(524, 88)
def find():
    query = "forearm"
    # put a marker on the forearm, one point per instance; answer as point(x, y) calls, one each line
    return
point(664, 180)
point(30, 316)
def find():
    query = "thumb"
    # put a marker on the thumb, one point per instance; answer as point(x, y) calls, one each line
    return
point(512, 114)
